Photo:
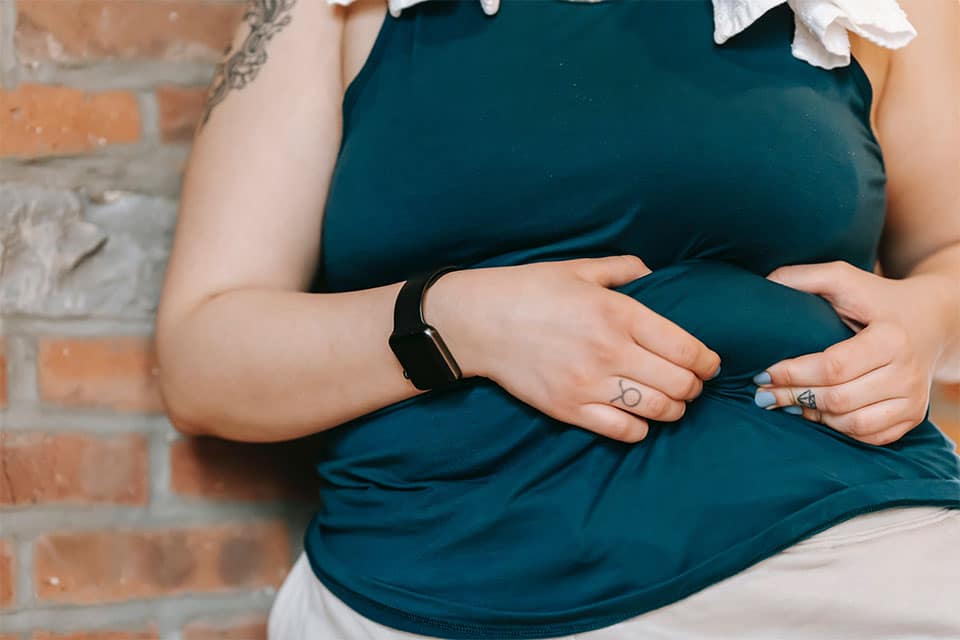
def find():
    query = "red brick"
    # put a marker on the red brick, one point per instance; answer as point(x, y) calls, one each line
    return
point(86, 30)
point(119, 373)
point(150, 634)
point(3, 373)
point(51, 468)
point(113, 566)
point(7, 574)
point(223, 470)
point(180, 111)
point(39, 120)
point(248, 628)
point(10, 636)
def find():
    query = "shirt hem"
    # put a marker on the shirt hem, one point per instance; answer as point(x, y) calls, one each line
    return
point(806, 522)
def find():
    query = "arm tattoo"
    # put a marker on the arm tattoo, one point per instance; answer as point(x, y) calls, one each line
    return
point(266, 18)
point(630, 396)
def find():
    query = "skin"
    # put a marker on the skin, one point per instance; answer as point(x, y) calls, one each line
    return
point(246, 354)
point(875, 386)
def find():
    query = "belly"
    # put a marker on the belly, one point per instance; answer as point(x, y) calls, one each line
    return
point(459, 476)
point(454, 433)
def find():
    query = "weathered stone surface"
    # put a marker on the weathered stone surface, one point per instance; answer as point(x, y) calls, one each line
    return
point(147, 169)
point(63, 256)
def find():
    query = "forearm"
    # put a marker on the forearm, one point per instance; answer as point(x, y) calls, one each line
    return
point(941, 272)
point(268, 365)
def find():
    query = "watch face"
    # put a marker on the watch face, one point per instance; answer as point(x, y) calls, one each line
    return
point(425, 358)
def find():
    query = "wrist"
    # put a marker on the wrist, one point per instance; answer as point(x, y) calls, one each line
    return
point(448, 306)
point(940, 297)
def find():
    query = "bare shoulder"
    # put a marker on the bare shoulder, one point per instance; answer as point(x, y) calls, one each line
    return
point(930, 56)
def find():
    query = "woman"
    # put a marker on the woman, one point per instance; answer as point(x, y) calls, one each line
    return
point(687, 407)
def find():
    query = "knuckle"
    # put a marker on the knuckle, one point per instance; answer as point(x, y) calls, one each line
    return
point(858, 425)
point(634, 261)
point(834, 366)
point(836, 400)
point(629, 431)
point(579, 376)
point(619, 430)
point(677, 411)
point(612, 310)
point(686, 354)
point(840, 268)
point(785, 377)
point(605, 351)
point(656, 406)
point(896, 337)
point(691, 386)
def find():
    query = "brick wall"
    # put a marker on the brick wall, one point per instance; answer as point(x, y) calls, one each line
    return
point(111, 526)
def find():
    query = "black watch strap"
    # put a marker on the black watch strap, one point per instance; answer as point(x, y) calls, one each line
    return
point(426, 360)
point(408, 310)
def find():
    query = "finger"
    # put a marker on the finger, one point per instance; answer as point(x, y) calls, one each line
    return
point(839, 363)
point(611, 422)
point(611, 271)
point(669, 341)
point(868, 422)
point(648, 368)
point(843, 285)
point(823, 279)
point(874, 386)
point(642, 400)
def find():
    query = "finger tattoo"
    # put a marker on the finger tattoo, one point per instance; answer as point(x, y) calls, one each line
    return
point(808, 399)
point(630, 395)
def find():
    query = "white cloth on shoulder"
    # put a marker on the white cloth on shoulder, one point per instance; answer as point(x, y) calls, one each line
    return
point(822, 26)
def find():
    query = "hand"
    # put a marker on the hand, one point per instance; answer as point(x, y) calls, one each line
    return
point(554, 335)
point(875, 386)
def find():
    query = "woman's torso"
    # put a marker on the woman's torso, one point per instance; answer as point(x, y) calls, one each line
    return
point(556, 130)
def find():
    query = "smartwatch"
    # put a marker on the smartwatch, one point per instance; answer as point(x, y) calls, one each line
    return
point(426, 360)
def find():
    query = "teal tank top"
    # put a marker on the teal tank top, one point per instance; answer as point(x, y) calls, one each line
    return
point(557, 130)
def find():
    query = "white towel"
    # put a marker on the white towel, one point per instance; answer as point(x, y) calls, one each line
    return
point(821, 36)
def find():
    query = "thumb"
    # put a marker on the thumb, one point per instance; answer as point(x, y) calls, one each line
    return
point(840, 283)
point(613, 271)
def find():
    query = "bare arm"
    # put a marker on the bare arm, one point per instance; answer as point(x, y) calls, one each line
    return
point(918, 125)
point(244, 352)
point(875, 386)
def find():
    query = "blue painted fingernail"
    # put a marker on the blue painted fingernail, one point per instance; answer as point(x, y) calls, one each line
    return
point(715, 374)
point(794, 409)
point(762, 378)
point(764, 399)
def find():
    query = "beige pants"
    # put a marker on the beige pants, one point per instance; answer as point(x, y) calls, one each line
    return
point(890, 574)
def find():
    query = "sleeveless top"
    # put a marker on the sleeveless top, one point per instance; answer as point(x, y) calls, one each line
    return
point(560, 130)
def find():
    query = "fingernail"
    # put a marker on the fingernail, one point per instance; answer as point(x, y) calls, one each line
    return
point(794, 409)
point(764, 399)
point(762, 378)
point(715, 374)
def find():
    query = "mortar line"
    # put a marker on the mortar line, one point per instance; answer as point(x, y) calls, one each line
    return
point(9, 76)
